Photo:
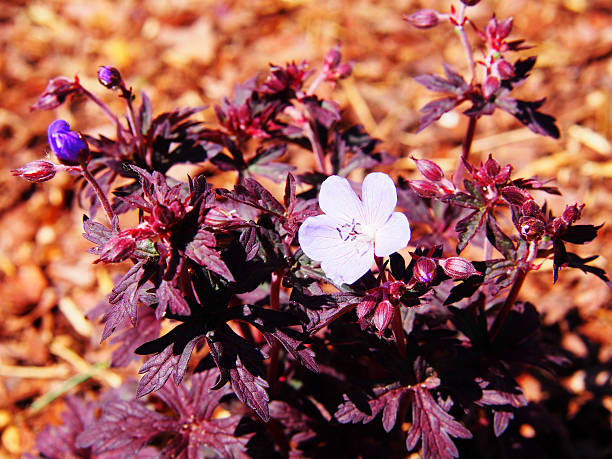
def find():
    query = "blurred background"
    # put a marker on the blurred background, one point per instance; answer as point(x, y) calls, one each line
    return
point(191, 53)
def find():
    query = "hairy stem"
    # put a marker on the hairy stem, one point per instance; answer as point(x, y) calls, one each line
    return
point(514, 291)
point(104, 108)
point(320, 78)
point(108, 210)
point(316, 148)
point(398, 331)
point(465, 150)
point(275, 350)
point(465, 42)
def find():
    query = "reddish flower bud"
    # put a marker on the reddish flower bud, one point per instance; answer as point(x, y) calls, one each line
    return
point(423, 19)
point(109, 77)
point(429, 169)
point(470, 2)
point(490, 86)
point(458, 268)
point(332, 58)
point(364, 308)
point(36, 171)
point(396, 290)
point(530, 209)
point(424, 270)
point(531, 228)
point(56, 92)
point(383, 315)
point(343, 71)
point(424, 188)
point(504, 28)
point(572, 214)
point(504, 69)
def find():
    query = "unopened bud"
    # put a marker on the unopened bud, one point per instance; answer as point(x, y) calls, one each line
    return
point(571, 214)
point(423, 19)
point(530, 208)
point(429, 169)
point(424, 270)
point(504, 28)
point(490, 86)
point(109, 77)
point(364, 308)
point(470, 2)
point(396, 290)
point(531, 228)
point(332, 58)
point(56, 92)
point(36, 171)
point(504, 69)
point(458, 268)
point(383, 315)
point(424, 188)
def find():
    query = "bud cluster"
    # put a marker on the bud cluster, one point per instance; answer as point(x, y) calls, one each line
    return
point(435, 184)
point(380, 304)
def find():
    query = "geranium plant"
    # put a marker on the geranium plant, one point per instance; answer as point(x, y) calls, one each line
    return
point(320, 338)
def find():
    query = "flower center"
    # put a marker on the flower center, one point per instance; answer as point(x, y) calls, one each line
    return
point(353, 230)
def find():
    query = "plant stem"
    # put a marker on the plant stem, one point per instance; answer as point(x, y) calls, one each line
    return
point(398, 331)
point(104, 108)
point(514, 291)
point(316, 148)
point(465, 150)
point(108, 210)
point(320, 78)
point(275, 283)
point(465, 42)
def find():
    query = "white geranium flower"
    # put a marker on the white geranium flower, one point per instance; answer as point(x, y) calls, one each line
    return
point(352, 230)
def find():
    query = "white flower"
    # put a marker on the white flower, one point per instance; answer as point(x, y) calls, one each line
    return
point(352, 230)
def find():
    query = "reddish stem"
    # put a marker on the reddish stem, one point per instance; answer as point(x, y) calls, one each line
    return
point(108, 210)
point(398, 331)
point(104, 108)
point(465, 150)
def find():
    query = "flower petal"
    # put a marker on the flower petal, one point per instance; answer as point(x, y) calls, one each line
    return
point(338, 199)
point(393, 236)
point(350, 261)
point(343, 261)
point(379, 197)
point(318, 235)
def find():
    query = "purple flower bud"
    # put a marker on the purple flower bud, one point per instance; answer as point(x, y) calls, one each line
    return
point(343, 71)
point(109, 77)
point(36, 171)
point(424, 270)
point(429, 169)
point(332, 59)
point(424, 188)
point(571, 213)
point(383, 315)
point(458, 268)
point(531, 228)
point(67, 145)
point(56, 92)
point(470, 2)
point(396, 289)
point(504, 28)
point(423, 19)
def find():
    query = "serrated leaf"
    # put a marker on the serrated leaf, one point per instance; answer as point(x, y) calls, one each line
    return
point(434, 427)
point(208, 257)
point(170, 297)
point(468, 227)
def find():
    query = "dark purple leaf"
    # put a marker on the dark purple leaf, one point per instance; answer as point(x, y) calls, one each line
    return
point(580, 234)
point(147, 328)
point(434, 110)
point(434, 427)
point(206, 256)
point(468, 227)
point(499, 239)
point(172, 298)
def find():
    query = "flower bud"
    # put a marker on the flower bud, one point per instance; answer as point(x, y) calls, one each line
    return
point(364, 308)
point(332, 59)
point(423, 19)
point(429, 169)
point(396, 290)
point(383, 315)
point(504, 69)
point(490, 86)
point(56, 92)
point(531, 228)
point(36, 171)
point(424, 270)
point(67, 145)
point(424, 188)
point(530, 208)
point(571, 214)
point(458, 268)
point(470, 2)
point(109, 77)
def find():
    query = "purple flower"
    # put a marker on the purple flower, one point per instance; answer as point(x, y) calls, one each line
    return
point(352, 230)
point(68, 146)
